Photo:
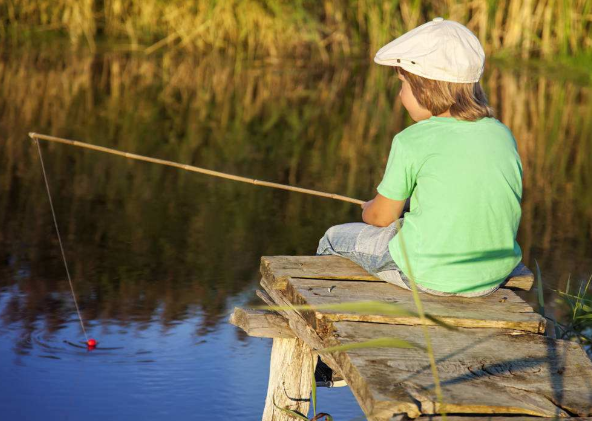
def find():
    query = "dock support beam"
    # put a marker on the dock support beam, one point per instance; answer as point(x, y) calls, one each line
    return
point(290, 379)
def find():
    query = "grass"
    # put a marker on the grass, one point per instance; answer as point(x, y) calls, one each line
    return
point(280, 28)
point(577, 307)
point(576, 322)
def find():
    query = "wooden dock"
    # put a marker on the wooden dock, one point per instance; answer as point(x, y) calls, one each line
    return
point(496, 361)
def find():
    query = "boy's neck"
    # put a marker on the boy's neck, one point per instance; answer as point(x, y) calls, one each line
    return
point(445, 114)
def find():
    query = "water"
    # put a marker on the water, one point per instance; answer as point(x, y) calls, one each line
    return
point(159, 257)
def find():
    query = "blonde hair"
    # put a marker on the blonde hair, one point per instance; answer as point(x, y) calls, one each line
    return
point(466, 101)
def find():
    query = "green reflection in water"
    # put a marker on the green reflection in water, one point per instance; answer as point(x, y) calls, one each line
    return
point(140, 237)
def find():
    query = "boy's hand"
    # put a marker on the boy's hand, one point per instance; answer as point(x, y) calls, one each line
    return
point(366, 204)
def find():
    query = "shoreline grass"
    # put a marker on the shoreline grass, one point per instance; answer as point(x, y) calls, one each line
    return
point(277, 28)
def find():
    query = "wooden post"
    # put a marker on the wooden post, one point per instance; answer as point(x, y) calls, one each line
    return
point(290, 379)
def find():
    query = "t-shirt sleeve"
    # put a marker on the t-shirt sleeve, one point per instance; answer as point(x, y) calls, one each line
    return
point(399, 178)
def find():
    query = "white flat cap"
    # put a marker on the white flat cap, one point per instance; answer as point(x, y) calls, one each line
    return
point(440, 50)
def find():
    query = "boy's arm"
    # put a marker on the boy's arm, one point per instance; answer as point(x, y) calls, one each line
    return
point(381, 211)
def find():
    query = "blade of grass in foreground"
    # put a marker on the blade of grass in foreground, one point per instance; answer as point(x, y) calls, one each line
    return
point(582, 294)
point(292, 413)
point(426, 333)
point(386, 342)
point(314, 388)
point(364, 307)
point(540, 290)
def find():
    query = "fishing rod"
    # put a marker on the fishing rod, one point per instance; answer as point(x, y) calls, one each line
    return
point(37, 136)
point(90, 342)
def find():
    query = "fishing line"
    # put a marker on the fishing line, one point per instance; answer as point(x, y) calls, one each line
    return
point(55, 221)
point(91, 343)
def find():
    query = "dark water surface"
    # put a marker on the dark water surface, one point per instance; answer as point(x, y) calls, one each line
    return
point(159, 257)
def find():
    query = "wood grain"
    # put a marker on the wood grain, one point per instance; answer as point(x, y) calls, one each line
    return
point(290, 379)
point(481, 371)
point(261, 323)
point(503, 309)
point(336, 267)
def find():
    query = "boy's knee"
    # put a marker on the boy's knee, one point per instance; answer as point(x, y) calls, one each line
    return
point(340, 238)
point(324, 243)
point(330, 233)
point(327, 241)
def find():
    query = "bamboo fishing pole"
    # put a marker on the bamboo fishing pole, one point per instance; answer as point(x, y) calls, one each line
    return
point(37, 136)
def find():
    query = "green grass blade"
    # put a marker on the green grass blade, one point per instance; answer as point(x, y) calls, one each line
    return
point(386, 342)
point(540, 289)
point(314, 387)
point(364, 307)
point(294, 414)
point(439, 322)
point(360, 307)
point(567, 297)
point(418, 304)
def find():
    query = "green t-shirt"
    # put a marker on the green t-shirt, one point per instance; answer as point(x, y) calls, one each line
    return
point(465, 183)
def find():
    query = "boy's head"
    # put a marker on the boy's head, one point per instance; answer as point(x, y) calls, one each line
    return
point(440, 64)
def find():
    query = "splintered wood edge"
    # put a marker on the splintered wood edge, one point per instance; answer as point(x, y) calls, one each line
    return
point(261, 323)
point(521, 278)
point(530, 327)
point(265, 297)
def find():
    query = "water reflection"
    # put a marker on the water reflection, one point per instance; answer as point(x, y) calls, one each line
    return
point(145, 241)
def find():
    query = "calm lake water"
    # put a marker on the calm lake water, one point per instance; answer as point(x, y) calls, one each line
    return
point(159, 257)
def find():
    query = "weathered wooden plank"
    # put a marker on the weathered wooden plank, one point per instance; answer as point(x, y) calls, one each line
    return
point(481, 371)
point(513, 313)
point(336, 267)
point(265, 297)
point(521, 278)
point(290, 379)
point(261, 323)
point(503, 309)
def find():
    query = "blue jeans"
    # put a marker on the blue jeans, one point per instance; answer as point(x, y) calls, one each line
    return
point(367, 246)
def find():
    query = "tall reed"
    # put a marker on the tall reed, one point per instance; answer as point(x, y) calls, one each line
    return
point(280, 28)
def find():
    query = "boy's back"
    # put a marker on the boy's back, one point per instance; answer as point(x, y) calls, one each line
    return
point(465, 183)
point(458, 164)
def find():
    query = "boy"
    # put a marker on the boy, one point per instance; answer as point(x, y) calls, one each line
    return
point(459, 166)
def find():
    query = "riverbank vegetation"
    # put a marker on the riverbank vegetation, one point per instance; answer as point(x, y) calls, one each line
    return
point(280, 28)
